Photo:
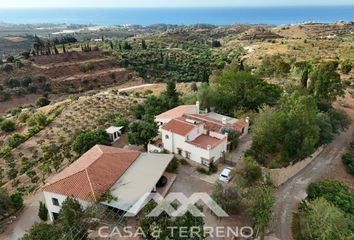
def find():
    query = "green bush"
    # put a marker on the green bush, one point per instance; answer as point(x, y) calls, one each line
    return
point(213, 168)
point(6, 68)
point(252, 172)
point(348, 160)
point(16, 200)
point(12, 82)
point(84, 141)
point(173, 166)
point(43, 211)
point(203, 170)
point(86, 67)
point(42, 101)
point(346, 66)
point(121, 122)
point(37, 119)
point(333, 191)
point(15, 140)
point(7, 126)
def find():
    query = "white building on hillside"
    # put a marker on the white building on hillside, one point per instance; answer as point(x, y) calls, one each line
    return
point(128, 175)
point(186, 131)
point(189, 139)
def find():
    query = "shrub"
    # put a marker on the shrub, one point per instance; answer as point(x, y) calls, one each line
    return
point(10, 59)
point(23, 116)
point(86, 140)
point(213, 168)
point(16, 200)
point(346, 66)
point(7, 126)
point(253, 172)
point(12, 82)
point(37, 119)
point(348, 160)
point(121, 122)
point(203, 170)
point(173, 166)
point(43, 211)
point(26, 81)
point(42, 101)
point(15, 140)
point(86, 67)
point(227, 197)
point(4, 95)
point(43, 231)
point(333, 191)
point(6, 68)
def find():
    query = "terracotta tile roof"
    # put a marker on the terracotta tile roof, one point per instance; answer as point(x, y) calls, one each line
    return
point(93, 173)
point(178, 126)
point(215, 125)
point(177, 111)
point(205, 141)
point(239, 125)
point(209, 123)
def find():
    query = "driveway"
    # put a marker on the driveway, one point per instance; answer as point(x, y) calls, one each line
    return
point(237, 154)
point(290, 194)
point(188, 183)
point(27, 217)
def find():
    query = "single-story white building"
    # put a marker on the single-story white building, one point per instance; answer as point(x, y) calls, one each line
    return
point(128, 175)
point(114, 133)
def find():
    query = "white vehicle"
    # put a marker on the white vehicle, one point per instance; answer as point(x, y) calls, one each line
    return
point(225, 175)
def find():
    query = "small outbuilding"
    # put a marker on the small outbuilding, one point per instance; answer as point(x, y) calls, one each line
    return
point(114, 133)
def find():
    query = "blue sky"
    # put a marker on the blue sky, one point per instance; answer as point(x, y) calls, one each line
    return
point(163, 3)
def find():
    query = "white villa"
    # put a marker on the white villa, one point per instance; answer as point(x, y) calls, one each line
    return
point(197, 136)
point(128, 175)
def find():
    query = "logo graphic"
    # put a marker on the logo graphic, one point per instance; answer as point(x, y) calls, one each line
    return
point(167, 205)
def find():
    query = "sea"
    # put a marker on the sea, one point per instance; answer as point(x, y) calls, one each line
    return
point(180, 16)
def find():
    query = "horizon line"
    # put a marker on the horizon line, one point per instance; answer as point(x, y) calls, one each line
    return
point(180, 7)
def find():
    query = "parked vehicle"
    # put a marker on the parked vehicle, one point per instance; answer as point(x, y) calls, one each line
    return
point(225, 175)
point(162, 182)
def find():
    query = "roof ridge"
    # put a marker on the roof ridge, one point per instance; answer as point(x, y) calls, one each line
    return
point(183, 121)
point(204, 118)
point(89, 180)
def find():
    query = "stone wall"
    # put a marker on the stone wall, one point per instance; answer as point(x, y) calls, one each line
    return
point(281, 175)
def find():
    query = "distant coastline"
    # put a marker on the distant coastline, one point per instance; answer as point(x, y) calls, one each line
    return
point(180, 16)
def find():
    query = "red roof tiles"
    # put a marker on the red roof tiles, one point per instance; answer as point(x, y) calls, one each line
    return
point(178, 126)
point(215, 125)
point(207, 142)
point(93, 173)
point(178, 111)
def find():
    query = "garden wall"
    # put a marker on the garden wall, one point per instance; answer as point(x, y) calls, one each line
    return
point(281, 175)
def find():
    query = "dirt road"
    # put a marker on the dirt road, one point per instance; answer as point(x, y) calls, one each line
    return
point(292, 192)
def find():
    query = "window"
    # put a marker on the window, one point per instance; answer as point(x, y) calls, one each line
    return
point(188, 155)
point(205, 162)
point(55, 201)
point(179, 151)
point(166, 136)
point(55, 216)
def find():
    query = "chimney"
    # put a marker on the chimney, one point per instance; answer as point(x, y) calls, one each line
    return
point(198, 106)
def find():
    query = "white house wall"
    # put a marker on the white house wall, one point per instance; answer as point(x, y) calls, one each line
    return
point(61, 198)
point(175, 142)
